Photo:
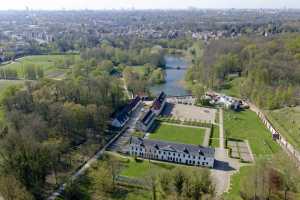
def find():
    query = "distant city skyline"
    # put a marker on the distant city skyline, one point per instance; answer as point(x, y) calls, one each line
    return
point(145, 4)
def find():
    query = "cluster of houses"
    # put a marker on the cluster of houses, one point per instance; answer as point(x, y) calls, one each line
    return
point(226, 101)
point(146, 120)
point(172, 152)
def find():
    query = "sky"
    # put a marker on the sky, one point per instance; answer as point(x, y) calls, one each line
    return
point(143, 4)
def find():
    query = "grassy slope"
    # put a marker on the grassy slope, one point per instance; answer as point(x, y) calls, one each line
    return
point(178, 134)
point(47, 62)
point(215, 142)
point(246, 125)
point(141, 168)
point(235, 182)
point(287, 121)
point(232, 88)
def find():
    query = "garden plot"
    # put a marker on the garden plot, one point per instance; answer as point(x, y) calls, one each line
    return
point(240, 150)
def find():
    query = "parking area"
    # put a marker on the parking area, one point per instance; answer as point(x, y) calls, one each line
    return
point(190, 112)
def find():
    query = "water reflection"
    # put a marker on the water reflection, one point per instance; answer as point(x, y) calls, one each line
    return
point(175, 71)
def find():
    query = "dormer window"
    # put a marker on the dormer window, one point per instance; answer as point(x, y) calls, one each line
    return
point(185, 150)
point(201, 153)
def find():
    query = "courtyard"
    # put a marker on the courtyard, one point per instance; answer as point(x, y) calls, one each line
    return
point(179, 134)
point(190, 112)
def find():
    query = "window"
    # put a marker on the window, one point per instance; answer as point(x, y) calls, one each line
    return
point(184, 155)
point(169, 153)
point(194, 157)
point(173, 154)
point(132, 148)
point(204, 158)
point(159, 152)
point(164, 153)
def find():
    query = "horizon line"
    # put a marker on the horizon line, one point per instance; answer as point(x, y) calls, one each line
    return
point(147, 9)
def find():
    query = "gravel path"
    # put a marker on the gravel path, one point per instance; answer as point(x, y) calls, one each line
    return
point(221, 128)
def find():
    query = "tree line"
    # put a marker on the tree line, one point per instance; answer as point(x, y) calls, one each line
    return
point(267, 69)
point(45, 120)
point(181, 184)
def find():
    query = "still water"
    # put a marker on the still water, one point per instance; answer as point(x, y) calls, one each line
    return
point(175, 71)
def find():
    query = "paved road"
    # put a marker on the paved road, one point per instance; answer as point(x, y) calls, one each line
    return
point(223, 169)
point(221, 128)
point(224, 166)
point(121, 144)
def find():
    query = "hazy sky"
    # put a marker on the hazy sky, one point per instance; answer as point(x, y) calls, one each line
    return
point(145, 4)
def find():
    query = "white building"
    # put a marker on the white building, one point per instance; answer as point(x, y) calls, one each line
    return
point(172, 152)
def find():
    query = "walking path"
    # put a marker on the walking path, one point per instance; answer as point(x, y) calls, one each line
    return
point(221, 128)
point(126, 89)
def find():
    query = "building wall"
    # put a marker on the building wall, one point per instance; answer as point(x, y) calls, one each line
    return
point(182, 158)
point(157, 112)
point(117, 123)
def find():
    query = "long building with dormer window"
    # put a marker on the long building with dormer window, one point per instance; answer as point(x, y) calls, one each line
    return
point(172, 152)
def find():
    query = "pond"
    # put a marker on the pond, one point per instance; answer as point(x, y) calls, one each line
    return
point(175, 72)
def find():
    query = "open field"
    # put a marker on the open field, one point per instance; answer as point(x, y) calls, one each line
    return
point(188, 112)
point(246, 125)
point(141, 168)
point(173, 133)
point(287, 121)
point(51, 64)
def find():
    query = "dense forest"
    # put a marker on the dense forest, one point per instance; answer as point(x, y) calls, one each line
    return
point(264, 70)
point(46, 120)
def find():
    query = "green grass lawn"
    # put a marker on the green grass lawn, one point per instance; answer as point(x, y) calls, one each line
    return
point(246, 125)
point(173, 133)
point(235, 182)
point(214, 138)
point(50, 64)
point(6, 83)
point(232, 88)
point(141, 168)
point(287, 121)
point(139, 69)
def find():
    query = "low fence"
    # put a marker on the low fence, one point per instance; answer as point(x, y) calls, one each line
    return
point(277, 136)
